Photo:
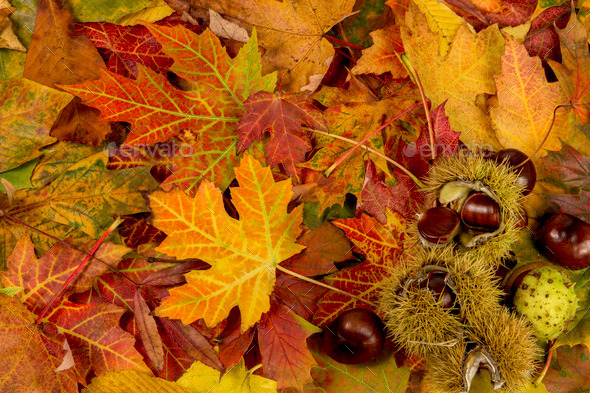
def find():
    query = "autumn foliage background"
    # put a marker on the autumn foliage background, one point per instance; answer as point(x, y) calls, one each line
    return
point(225, 135)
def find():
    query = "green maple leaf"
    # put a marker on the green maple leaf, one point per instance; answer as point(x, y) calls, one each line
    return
point(205, 118)
point(80, 203)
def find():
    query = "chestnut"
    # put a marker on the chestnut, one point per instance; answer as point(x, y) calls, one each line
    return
point(565, 239)
point(437, 285)
point(527, 175)
point(480, 212)
point(439, 224)
point(355, 336)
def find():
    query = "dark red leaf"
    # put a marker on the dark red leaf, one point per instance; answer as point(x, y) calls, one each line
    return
point(136, 230)
point(282, 339)
point(378, 199)
point(324, 245)
point(576, 205)
point(512, 12)
point(176, 360)
point(300, 296)
point(233, 345)
point(127, 45)
point(282, 115)
point(542, 39)
point(192, 342)
point(146, 325)
point(174, 275)
point(568, 169)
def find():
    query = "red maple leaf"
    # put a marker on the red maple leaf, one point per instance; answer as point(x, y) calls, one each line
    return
point(98, 343)
point(381, 247)
point(378, 199)
point(282, 338)
point(282, 115)
point(124, 46)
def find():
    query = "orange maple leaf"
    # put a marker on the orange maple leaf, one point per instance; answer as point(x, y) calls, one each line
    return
point(244, 254)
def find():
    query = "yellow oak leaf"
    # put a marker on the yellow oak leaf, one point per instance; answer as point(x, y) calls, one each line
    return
point(200, 378)
point(462, 77)
point(243, 254)
point(526, 103)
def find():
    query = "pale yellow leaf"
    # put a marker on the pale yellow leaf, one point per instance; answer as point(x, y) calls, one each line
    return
point(203, 379)
point(441, 20)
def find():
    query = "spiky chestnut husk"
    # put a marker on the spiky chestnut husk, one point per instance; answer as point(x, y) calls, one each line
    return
point(510, 340)
point(547, 299)
point(414, 319)
point(497, 181)
point(506, 339)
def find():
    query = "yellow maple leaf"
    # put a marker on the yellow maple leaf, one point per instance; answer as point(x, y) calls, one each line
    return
point(462, 77)
point(526, 103)
point(200, 378)
point(243, 254)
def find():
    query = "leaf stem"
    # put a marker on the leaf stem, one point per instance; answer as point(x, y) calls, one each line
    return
point(546, 135)
point(406, 62)
point(253, 369)
point(394, 163)
point(80, 267)
point(342, 42)
point(324, 285)
point(547, 363)
point(329, 171)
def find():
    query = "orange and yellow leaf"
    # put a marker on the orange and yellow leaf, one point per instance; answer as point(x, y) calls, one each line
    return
point(243, 253)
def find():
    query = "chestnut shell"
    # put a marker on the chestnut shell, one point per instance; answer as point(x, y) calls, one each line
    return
point(355, 336)
point(565, 239)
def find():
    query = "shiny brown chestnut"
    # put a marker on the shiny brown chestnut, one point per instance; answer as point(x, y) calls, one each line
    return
point(437, 285)
point(527, 175)
point(355, 336)
point(565, 239)
point(480, 212)
point(439, 224)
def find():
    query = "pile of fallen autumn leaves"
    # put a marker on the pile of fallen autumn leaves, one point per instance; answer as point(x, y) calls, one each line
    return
point(220, 132)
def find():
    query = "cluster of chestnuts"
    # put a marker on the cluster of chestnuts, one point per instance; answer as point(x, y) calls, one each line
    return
point(476, 200)
point(444, 300)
